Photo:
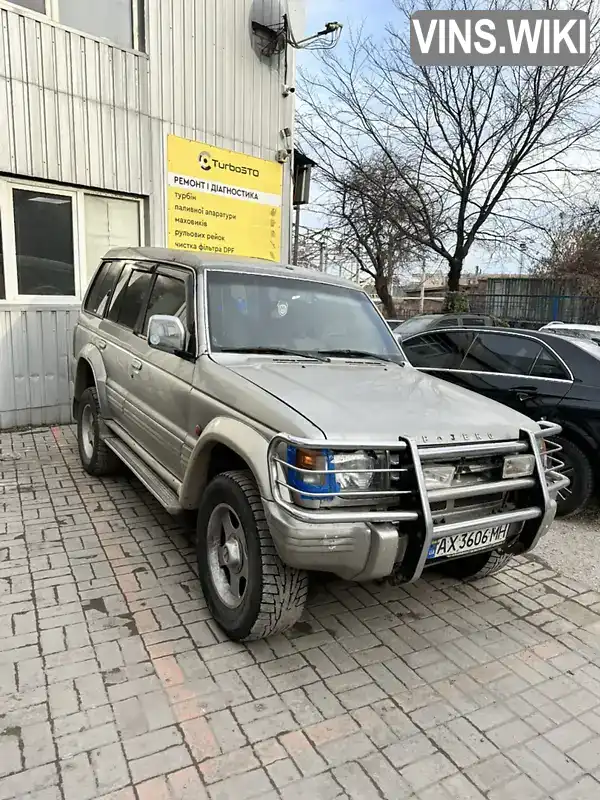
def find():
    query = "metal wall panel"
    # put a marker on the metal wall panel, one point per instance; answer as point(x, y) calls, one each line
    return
point(35, 348)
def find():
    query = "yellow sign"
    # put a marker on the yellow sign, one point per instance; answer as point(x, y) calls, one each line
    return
point(220, 201)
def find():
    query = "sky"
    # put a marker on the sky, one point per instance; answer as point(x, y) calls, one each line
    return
point(373, 15)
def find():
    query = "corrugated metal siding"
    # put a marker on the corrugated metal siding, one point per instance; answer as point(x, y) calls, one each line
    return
point(76, 107)
point(35, 348)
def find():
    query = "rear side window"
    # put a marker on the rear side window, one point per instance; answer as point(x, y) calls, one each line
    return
point(443, 350)
point(99, 295)
point(167, 297)
point(548, 366)
point(130, 298)
point(495, 352)
point(473, 322)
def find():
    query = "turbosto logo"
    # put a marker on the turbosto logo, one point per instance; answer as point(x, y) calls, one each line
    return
point(207, 163)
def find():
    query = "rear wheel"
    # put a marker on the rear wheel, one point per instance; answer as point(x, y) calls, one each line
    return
point(479, 565)
point(578, 469)
point(251, 593)
point(96, 458)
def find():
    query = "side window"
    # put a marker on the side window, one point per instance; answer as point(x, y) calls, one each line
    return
point(167, 297)
point(100, 291)
point(473, 322)
point(129, 298)
point(548, 366)
point(447, 322)
point(495, 352)
point(443, 350)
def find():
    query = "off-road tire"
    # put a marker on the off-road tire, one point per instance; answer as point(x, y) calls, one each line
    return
point(103, 461)
point(479, 565)
point(276, 594)
point(578, 494)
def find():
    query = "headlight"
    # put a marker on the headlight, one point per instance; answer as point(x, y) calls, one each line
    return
point(314, 472)
point(439, 477)
point(354, 479)
point(518, 466)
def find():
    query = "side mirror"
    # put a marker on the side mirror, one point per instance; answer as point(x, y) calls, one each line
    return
point(166, 333)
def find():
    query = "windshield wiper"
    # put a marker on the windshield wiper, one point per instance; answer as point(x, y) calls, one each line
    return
point(277, 351)
point(358, 354)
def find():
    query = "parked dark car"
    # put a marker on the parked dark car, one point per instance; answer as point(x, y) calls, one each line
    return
point(543, 375)
point(425, 322)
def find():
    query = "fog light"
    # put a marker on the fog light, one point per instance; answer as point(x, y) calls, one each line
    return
point(438, 477)
point(518, 466)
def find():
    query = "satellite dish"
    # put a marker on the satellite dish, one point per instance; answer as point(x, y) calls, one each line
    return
point(277, 24)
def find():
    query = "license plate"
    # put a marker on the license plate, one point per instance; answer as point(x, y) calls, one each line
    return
point(481, 539)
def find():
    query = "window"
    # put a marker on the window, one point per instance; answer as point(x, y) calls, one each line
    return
point(44, 243)
point(259, 311)
point(129, 297)
point(99, 295)
point(548, 366)
point(447, 322)
point(119, 21)
point(443, 350)
point(167, 297)
point(32, 5)
point(109, 222)
point(52, 238)
point(495, 352)
point(473, 322)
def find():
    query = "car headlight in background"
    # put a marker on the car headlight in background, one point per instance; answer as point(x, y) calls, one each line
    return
point(518, 466)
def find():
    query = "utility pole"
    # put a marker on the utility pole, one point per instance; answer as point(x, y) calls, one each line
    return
point(523, 249)
point(322, 256)
point(296, 236)
point(423, 278)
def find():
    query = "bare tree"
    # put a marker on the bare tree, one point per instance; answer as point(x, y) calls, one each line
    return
point(473, 147)
point(364, 208)
point(574, 251)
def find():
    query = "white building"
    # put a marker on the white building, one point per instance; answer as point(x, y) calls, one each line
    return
point(89, 92)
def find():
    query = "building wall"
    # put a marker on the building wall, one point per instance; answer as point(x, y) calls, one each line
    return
point(84, 113)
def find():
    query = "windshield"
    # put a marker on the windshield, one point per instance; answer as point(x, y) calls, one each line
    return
point(415, 325)
point(247, 312)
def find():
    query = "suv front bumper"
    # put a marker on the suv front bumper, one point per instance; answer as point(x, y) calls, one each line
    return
point(365, 545)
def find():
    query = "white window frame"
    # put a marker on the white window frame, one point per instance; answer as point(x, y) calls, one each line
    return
point(7, 232)
point(52, 14)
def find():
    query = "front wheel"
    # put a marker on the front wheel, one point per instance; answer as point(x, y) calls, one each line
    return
point(250, 592)
point(579, 470)
point(96, 458)
point(476, 566)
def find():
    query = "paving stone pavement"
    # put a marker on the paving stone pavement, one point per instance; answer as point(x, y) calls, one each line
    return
point(115, 683)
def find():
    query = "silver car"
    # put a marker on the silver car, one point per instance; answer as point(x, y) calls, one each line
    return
point(276, 403)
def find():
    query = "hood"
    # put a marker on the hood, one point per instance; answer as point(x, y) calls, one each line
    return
point(356, 400)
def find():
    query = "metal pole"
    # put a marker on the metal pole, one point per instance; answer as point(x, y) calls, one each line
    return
point(322, 256)
point(422, 297)
point(296, 236)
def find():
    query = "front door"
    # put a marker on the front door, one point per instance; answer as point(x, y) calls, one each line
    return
point(157, 403)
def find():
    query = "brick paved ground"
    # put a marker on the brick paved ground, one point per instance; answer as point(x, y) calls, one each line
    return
point(114, 682)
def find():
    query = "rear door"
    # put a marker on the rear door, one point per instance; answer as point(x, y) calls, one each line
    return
point(160, 384)
point(517, 370)
point(118, 332)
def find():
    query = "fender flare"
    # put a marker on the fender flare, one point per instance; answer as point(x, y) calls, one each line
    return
point(238, 436)
point(92, 356)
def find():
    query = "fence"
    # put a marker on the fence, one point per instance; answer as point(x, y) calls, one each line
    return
point(517, 310)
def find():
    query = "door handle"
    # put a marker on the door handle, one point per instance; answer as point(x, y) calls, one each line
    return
point(100, 344)
point(136, 365)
